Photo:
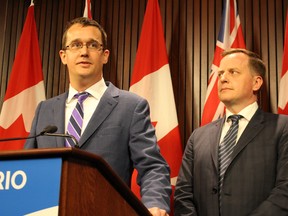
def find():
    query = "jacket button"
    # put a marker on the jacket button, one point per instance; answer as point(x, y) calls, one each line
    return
point(214, 190)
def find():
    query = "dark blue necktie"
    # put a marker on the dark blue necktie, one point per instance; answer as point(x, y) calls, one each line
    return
point(226, 149)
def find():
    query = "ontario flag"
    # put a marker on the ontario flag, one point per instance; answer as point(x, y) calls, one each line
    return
point(25, 88)
point(151, 79)
point(87, 10)
point(283, 89)
point(230, 36)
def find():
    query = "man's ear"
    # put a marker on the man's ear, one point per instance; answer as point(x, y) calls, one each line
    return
point(62, 55)
point(257, 83)
point(106, 53)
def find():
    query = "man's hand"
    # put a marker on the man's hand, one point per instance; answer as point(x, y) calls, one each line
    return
point(155, 211)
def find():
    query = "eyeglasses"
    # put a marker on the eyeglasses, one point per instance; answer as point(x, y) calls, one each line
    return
point(91, 45)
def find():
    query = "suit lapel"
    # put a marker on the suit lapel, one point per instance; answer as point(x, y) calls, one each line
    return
point(59, 116)
point(215, 133)
point(253, 128)
point(106, 104)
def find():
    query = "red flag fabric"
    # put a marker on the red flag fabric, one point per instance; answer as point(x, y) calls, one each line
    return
point(151, 79)
point(87, 11)
point(230, 36)
point(283, 89)
point(25, 88)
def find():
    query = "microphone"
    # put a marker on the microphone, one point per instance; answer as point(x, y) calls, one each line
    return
point(63, 135)
point(48, 129)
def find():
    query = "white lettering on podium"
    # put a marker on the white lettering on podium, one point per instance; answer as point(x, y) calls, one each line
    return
point(1, 180)
point(6, 179)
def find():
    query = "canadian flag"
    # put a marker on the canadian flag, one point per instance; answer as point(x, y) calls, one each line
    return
point(151, 79)
point(283, 89)
point(230, 36)
point(25, 88)
point(87, 10)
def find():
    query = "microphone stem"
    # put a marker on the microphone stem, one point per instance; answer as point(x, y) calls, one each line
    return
point(18, 138)
point(64, 135)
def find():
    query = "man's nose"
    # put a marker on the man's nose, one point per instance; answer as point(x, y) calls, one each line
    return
point(223, 77)
point(84, 50)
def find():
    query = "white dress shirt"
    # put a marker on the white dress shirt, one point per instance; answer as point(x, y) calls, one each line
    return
point(247, 114)
point(96, 91)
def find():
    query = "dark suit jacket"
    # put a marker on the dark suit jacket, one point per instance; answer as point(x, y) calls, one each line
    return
point(256, 181)
point(121, 133)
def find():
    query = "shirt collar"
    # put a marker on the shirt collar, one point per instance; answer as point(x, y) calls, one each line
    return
point(96, 90)
point(247, 112)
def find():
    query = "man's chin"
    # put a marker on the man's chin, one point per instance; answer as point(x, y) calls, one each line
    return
point(225, 99)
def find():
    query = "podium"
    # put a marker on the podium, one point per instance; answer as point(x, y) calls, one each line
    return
point(62, 181)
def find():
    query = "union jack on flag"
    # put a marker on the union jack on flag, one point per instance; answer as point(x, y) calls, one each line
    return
point(230, 36)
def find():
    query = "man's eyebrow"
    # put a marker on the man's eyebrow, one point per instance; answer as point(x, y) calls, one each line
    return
point(79, 40)
point(72, 41)
point(220, 71)
point(233, 69)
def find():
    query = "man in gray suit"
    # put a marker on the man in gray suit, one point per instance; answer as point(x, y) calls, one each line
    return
point(116, 123)
point(256, 178)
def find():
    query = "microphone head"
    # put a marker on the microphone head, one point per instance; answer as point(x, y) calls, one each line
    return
point(49, 129)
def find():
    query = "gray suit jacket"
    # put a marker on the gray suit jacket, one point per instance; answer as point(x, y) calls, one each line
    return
point(119, 131)
point(256, 181)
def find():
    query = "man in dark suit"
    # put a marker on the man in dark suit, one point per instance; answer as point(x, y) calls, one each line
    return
point(255, 181)
point(116, 123)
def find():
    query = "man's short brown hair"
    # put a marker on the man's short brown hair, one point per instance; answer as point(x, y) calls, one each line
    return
point(255, 62)
point(84, 22)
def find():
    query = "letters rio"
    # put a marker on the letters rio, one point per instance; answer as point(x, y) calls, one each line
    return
point(9, 179)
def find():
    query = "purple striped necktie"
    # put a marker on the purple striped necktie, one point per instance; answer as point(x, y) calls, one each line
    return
point(76, 120)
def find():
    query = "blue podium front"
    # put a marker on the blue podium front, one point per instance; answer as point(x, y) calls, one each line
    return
point(30, 187)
